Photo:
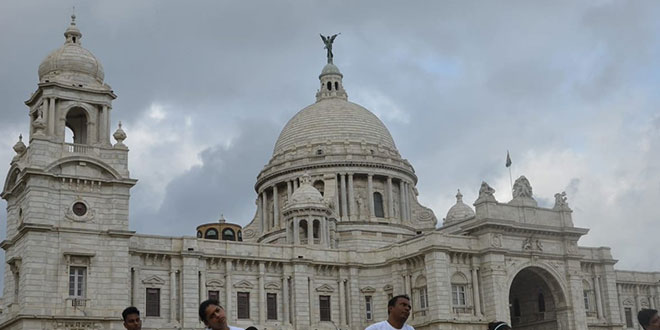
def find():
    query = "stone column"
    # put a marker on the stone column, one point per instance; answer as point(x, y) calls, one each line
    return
point(310, 231)
point(136, 286)
point(262, 293)
point(406, 197)
point(344, 209)
point(264, 209)
point(323, 224)
point(310, 292)
point(101, 124)
point(46, 113)
point(51, 117)
point(289, 189)
point(342, 305)
point(285, 299)
point(107, 122)
point(494, 287)
point(599, 303)
point(228, 293)
point(402, 205)
point(299, 289)
point(276, 208)
point(475, 289)
point(370, 191)
point(390, 199)
point(173, 305)
point(354, 295)
point(190, 291)
point(203, 295)
point(296, 231)
point(351, 199)
point(637, 306)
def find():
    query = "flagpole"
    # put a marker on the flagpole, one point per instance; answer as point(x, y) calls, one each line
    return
point(508, 165)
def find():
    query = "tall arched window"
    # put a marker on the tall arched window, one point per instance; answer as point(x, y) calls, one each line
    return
point(378, 205)
point(228, 235)
point(240, 236)
point(541, 302)
point(303, 232)
point(211, 234)
point(316, 227)
point(76, 120)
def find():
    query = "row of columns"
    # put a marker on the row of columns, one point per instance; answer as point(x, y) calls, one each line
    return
point(103, 122)
point(265, 217)
point(345, 202)
point(323, 231)
point(348, 198)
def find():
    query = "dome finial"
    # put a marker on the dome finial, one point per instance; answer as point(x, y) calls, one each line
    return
point(328, 40)
point(331, 77)
point(72, 34)
point(459, 196)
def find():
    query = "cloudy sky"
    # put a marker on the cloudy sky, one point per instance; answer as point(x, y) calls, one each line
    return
point(569, 87)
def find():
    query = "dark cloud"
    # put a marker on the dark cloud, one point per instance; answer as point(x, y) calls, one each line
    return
point(220, 185)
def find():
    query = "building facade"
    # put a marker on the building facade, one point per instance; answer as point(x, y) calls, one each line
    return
point(337, 232)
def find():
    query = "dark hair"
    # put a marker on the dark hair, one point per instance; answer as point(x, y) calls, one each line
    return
point(392, 301)
point(204, 305)
point(500, 324)
point(251, 328)
point(128, 311)
point(644, 316)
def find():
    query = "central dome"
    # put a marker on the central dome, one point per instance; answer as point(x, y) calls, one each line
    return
point(333, 120)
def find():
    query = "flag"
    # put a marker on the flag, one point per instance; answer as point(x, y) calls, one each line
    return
point(508, 159)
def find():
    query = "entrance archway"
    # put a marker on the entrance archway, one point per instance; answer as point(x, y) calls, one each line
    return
point(537, 301)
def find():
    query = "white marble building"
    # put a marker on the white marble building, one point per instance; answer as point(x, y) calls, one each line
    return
point(338, 230)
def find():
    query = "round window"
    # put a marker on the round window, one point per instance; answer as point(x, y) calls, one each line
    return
point(79, 209)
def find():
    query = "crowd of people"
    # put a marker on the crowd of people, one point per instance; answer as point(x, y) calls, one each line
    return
point(398, 309)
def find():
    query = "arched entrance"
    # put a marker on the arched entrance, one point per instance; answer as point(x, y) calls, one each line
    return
point(537, 301)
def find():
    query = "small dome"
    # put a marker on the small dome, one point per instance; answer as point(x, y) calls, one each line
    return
point(72, 63)
point(460, 211)
point(330, 69)
point(306, 194)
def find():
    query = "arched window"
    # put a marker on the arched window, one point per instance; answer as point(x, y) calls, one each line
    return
point(240, 236)
point(211, 234)
point(541, 302)
point(329, 86)
point(422, 293)
point(199, 234)
point(228, 235)
point(303, 232)
point(316, 227)
point(378, 205)
point(76, 120)
point(459, 290)
point(319, 185)
point(336, 85)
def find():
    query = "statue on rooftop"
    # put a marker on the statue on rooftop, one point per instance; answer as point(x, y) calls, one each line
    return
point(328, 45)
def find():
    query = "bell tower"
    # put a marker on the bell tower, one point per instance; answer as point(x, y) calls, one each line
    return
point(67, 196)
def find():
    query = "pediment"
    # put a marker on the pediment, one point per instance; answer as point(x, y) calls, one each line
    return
point(388, 287)
point(628, 302)
point(367, 289)
point(325, 288)
point(215, 284)
point(153, 280)
point(272, 286)
point(243, 284)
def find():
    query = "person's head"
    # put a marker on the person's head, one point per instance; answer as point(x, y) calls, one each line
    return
point(399, 307)
point(498, 325)
point(251, 328)
point(212, 314)
point(131, 316)
point(649, 319)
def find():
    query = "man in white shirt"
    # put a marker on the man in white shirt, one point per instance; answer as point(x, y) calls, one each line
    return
point(398, 310)
point(213, 316)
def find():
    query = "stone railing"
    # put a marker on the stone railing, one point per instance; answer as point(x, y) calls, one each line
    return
point(77, 148)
